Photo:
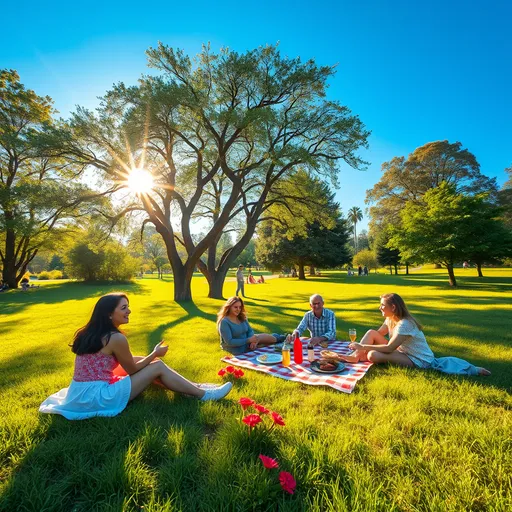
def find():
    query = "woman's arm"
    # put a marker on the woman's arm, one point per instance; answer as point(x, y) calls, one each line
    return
point(391, 346)
point(120, 348)
point(383, 329)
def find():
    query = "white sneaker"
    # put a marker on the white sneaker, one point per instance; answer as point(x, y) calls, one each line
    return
point(217, 393)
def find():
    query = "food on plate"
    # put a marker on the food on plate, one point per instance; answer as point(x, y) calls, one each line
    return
point(264, 357)
point(328, 354)
point(328, 367)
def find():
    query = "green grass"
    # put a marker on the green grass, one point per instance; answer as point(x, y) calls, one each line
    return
point(405, 440)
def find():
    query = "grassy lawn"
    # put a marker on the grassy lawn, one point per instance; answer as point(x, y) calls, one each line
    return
point(405, 440)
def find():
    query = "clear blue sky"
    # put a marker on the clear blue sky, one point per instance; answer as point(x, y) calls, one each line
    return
point(413, 71)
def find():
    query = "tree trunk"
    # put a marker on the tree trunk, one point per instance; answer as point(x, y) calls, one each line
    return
point(479, 269)
point(451, 275)
point(312, 270)
point(182, 283)
point(406, 269)
point(302, 275)
point(396, 269)
point(390, 269)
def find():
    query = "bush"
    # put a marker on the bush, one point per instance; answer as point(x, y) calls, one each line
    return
point(56, 274)
point(112, 262)
point(44, 275)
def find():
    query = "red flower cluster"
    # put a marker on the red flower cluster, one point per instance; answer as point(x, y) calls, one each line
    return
point(231, 370)
point(251, 420)
point(286, 479)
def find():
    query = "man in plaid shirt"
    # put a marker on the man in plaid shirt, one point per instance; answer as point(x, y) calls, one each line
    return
point(321, 322)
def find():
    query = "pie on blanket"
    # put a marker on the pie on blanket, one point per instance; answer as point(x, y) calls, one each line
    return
point(329, 354)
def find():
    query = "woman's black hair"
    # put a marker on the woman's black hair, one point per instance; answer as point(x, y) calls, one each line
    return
point(87, 339)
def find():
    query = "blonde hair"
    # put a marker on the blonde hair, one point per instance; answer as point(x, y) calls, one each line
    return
point(401, 311)
point(224, 310)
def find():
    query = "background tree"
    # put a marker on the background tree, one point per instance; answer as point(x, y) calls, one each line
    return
point(439, 228)
point(319, 247)
point(248, 256)
point(218, 134)
point(40, 195)
point(386, 257)
point(366, 258)
point(505, 199)
point(355, 215)
point(428, 166)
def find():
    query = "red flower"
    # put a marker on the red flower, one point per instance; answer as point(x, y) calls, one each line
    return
point(261, 409)
point(222, 372)
point(238, 373)
point(252, 420)
point(277, 419)
point(268, 462)
point(230, 369)
point(287, 482)
point(246, 402)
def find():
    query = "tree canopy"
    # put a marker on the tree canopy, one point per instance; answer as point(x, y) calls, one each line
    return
point(218, 133)
point(40, 196)
point(408, 179)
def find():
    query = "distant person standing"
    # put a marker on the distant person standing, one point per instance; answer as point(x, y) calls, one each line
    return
point(365, 270)
point(359, 270)
point(240, 280)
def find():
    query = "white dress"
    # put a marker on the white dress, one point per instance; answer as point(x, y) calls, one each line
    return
point(94, 390)
point(415, 348)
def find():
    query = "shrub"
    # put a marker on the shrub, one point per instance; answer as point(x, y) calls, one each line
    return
point(56, 274)
point(44, 275)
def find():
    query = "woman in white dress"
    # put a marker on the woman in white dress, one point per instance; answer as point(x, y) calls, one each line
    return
point(107, 376)
point(406, 346)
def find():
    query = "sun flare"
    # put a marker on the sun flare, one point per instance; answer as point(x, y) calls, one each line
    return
point(140, 181)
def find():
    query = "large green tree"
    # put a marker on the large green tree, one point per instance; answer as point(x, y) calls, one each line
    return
point(218, 134)
point(408, 179)
point(314, 236)
point(445, 227)
point(40, 195)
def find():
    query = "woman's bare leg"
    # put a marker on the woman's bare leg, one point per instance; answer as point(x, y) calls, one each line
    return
point(168, 377)
point(372, 337)
point(394, 357)
point(265, 339)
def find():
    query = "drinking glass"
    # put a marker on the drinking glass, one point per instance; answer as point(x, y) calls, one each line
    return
point(352, 334)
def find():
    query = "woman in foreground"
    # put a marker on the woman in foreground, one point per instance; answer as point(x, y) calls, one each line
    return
point(107, 376)
point(236, 335)
point(407, 345)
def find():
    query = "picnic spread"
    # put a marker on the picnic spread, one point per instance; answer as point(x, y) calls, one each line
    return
point(344, 380)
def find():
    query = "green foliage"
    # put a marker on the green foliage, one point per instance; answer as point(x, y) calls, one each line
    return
point(365, 258)
point(111, 262)
point(386, 257)
point(40, 195)
point(425, 168)
point(447, 226)
point(53, 274)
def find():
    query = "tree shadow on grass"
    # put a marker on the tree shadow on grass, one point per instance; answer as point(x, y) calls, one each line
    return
point(100, 463)
point(16, 300)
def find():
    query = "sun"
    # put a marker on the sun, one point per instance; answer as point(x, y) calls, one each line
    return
point(140, 181)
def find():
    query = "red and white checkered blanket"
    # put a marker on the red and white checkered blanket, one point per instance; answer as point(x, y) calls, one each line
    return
point(344, 381)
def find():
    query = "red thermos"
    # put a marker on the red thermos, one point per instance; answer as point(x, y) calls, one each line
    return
point(297, 350)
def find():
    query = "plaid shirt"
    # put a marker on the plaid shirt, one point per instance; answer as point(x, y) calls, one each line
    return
point(323, 326)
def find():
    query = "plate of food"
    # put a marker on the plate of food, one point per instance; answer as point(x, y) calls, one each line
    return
point(270, 359)
point(329, 354)
point(324, 366)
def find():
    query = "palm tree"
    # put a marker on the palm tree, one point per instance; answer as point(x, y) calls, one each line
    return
point(355, 215)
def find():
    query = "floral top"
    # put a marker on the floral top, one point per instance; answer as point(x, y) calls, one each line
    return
point(94, 367)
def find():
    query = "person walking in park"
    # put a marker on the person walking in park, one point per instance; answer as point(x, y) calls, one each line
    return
point(236, 335)
point(407, 345)
point(107, 376)
point(320, 322)
point(240, 281)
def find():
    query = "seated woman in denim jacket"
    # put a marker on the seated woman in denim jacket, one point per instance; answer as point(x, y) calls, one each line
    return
point(236, 335)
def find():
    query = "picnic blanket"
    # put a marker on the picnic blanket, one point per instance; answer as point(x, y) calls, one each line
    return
point(345, 381)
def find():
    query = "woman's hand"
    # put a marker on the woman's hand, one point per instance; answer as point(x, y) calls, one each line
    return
point(253, 342)
point(356, 346)
point(160, 349)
